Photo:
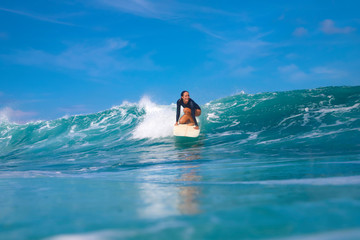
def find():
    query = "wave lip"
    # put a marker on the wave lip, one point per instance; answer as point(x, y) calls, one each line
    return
point(157, 122)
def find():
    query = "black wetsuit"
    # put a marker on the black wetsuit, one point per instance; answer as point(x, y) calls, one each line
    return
point(191, 104)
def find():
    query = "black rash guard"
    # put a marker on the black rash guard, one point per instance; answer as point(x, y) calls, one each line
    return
point(191, 104)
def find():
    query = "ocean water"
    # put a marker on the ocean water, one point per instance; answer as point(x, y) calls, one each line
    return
point(278, 165)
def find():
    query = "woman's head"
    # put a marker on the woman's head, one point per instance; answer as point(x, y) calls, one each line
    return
point(185, 96)
point(183, 92)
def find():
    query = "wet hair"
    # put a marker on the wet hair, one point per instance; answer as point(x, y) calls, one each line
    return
point(182, 93)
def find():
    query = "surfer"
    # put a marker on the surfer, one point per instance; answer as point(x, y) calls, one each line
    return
point(191, 110)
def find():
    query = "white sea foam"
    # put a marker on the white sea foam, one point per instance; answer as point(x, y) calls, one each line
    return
point(235, 123)
point(324, 111)
point(340, 109)
point(158, 121)
point(337, 123)
point(306, 118)
point(76, 135)
point(46, 126)
point(8, 137)
point(103, 123)
point(291, 117)
point(224, 134)
point(318, 134)
point(271, 141)
point(212, 117)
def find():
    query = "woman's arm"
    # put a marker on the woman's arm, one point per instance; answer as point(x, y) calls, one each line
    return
point(177, 111)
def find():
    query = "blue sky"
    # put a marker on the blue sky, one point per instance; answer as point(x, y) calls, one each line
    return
point(70, 57)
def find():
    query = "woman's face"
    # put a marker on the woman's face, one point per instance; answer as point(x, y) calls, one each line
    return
point(185, 97)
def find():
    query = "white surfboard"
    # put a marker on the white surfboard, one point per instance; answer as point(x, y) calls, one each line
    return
point(184, 130)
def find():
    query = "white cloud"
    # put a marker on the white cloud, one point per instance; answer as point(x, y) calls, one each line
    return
point(329, 72)
point(293, 73)
point(201, 28)
point(9, 114)
point(235, 53)
point(36, 16)
point(96, 59)
point(243, 71)
point(173, 11)
point(288, 68)
point(237, 56)
point(164, 9)
point(328, 26)
point(244, 49)
point(149, 9)
point(300, 31)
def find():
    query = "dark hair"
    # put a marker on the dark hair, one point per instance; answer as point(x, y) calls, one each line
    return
point(182, 93)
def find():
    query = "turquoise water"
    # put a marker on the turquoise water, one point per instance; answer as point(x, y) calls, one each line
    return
point(283, 165)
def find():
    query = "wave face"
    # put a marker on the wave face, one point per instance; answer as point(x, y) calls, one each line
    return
point(322, 121)
point(281, 165)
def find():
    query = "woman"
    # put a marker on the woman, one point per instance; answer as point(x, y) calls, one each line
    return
point(191, 110)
